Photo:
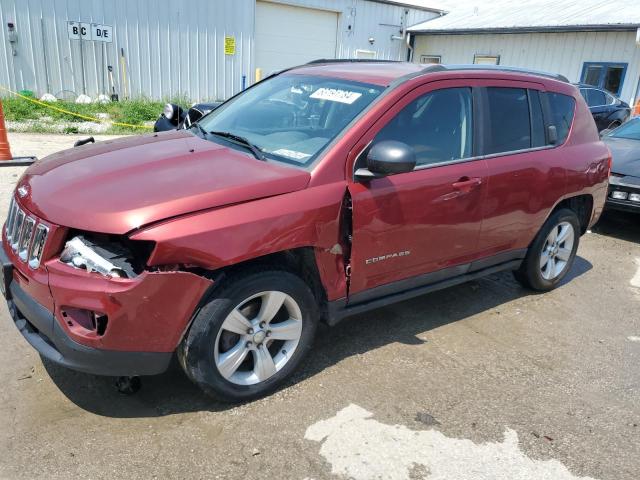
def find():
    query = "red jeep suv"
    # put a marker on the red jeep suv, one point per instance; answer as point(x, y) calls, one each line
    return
point(323, 191)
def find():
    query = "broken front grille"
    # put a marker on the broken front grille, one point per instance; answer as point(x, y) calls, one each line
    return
point(26, 235)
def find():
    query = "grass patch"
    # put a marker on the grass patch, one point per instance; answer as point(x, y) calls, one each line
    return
point(135, 112)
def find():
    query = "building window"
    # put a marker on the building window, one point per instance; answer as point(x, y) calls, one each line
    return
point(366, 54)
point(606, 75)
point(486, 59)
point(430, 59)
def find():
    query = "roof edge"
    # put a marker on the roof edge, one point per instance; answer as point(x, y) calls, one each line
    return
point(541, 29)
point(400, 3)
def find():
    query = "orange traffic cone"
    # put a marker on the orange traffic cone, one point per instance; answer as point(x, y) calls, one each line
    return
point(6, 159)
point(5, 151)
point(636, 109)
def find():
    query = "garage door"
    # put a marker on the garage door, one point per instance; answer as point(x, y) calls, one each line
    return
point(287, 36)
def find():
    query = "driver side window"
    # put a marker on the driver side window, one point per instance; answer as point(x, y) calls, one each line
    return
point(437, 125)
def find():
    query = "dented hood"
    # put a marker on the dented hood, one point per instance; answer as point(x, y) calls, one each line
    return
point(120, 185)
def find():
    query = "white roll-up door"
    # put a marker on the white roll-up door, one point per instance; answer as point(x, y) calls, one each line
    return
point(287, 36)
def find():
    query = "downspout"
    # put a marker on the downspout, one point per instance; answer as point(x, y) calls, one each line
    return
point(410, 41)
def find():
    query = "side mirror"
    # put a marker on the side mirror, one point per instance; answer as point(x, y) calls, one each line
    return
point(387, 158)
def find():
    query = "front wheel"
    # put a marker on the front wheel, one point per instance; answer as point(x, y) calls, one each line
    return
point(552, 252)
point(246, 340)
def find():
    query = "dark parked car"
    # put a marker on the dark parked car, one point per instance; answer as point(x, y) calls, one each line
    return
point(174, 117)
point(608, 111)
point(321, 192)
point(624, 183)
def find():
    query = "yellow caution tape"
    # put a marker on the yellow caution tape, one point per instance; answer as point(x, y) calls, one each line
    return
point(62, 110)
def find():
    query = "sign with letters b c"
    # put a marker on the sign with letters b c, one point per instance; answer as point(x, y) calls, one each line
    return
point(90, 31)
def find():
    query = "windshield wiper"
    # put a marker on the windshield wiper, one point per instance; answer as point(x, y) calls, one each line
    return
point(243, 141)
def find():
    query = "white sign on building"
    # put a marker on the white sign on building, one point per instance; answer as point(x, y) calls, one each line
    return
point(90, 31)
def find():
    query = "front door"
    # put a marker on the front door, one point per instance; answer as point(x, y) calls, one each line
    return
point(427, 220)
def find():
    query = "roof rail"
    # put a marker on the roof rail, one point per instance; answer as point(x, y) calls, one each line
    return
point(350, 60)
point(500, 68)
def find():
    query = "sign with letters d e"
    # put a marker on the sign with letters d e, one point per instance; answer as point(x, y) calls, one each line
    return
point(90, 31)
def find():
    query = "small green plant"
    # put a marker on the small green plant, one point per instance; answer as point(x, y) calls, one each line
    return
point(70, 130)
point(137, 111)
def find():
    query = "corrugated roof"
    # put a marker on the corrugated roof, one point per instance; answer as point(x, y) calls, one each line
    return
point(533, 15)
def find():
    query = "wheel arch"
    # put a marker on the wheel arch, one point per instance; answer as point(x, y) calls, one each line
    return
point(298, 261)
point(582, 205)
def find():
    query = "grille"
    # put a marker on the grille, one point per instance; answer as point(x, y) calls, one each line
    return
point(25, 235)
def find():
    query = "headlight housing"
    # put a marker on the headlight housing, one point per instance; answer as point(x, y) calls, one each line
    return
point(107, 255)
point(170, 110)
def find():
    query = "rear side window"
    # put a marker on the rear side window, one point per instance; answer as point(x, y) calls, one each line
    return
point(562, 107)
point(595, 98)
point(508, 111)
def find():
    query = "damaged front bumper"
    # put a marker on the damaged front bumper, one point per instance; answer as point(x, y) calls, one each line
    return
point(142, 319)
point(43, 333)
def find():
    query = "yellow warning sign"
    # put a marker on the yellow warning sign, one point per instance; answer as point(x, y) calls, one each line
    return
point(229, 45)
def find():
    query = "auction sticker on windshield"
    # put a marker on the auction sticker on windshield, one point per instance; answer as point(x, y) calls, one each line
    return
point(291, 154)
point(336, 95)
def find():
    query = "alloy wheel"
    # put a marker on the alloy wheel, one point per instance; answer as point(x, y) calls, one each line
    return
point(556, 251)
point(258, 337)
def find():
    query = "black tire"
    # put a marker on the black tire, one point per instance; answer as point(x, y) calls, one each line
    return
point(530, 274)
point(196, 352)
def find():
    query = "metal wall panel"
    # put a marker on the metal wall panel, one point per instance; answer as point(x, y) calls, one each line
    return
point(563, 53)
point(172, 48)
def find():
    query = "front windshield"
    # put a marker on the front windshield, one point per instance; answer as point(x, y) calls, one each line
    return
point(631, 130)
point(291, 118)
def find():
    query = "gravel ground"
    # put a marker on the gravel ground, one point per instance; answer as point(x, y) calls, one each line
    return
point(480, 381)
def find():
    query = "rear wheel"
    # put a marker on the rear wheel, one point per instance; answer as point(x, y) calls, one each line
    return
point(552, 252)
point(250, 336)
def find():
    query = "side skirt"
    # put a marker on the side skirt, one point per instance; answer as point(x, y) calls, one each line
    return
point(341, 309)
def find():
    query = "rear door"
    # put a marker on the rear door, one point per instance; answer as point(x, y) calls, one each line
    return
point(427, 220)
point(526, 172)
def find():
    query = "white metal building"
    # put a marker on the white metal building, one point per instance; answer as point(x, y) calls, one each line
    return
point(591, 41)
point(203, 49)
